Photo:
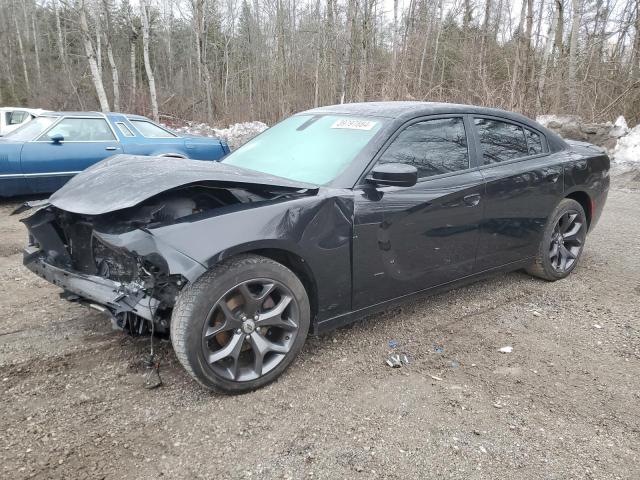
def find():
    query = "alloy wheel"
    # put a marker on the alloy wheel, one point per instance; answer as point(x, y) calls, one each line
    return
point(567, 240)
point(250, 330)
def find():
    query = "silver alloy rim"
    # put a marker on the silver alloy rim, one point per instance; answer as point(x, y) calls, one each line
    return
point(250, 330)
point(566, 241)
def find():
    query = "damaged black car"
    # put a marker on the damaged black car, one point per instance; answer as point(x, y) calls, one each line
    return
point(330, 215)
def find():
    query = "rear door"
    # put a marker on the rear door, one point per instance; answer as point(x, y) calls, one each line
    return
point(86, 140)
point(523, 185)
point(410, 239)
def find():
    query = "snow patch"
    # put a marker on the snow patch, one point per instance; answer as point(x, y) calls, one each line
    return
point(235, 135)
point(627, 152)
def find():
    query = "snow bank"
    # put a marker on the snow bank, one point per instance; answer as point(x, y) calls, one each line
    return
point(572, 127)
point(235, 135)
point(627, 152)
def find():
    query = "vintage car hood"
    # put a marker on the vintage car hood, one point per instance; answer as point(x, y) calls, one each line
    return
point(123, 181)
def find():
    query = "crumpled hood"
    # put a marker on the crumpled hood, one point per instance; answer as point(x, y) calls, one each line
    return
point(123, 181)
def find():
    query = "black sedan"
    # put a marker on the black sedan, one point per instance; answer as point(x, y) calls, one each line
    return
point(330, 215)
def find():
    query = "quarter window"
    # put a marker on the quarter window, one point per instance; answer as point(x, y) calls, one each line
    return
point(150, 130)
point(434, 147)
point(17, 117)
point(80, 130)
point(126, 131)
point(500, 141)
point(534, 142)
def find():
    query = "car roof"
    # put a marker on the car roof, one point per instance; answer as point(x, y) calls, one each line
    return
point(405, 110)
point(111, 115)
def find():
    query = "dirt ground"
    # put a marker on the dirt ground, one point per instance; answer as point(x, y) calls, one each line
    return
point(564, 404)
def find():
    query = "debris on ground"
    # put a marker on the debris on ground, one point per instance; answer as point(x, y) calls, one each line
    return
point(436, 378)
point(394, 361)
point(397, 360)
point(393, 344)
point(505, 349)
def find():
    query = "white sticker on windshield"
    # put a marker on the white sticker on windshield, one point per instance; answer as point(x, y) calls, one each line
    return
point(354, 124)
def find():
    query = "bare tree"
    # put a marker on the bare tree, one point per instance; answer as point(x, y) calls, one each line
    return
point(91, 57)
point(144, 14)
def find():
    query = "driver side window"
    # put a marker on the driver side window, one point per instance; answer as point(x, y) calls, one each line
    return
point(434, 147)
point(80, 130)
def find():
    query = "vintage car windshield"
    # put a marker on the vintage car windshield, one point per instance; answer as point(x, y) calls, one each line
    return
point(31, 130)
point(307, 148)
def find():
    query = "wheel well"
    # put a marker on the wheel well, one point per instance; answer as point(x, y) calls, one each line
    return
point(298, 266)
point(585, 201)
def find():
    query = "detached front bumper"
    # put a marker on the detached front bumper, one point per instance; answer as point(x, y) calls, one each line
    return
point(117, 297)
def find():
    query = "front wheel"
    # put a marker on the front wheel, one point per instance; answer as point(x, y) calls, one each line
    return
point(241, 324)
point(562, 242)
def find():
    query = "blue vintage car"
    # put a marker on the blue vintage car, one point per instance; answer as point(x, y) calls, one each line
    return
point(45, 153)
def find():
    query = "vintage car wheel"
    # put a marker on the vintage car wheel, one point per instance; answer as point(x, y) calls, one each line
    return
point(562, 242)
point(240, 325)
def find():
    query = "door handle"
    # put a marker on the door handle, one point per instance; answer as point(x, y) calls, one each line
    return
point(472, 200)
point(111, 149)
point(552, 177)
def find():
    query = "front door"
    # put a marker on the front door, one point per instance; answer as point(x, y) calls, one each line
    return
point(48, 165)
point(411, 239)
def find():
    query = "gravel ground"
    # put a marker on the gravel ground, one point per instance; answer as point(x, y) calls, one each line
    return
point(564, 404)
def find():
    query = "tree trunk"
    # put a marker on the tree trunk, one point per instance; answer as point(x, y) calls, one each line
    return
point(515, 77)
point(548, 50)
point(573, 54)
point(110, 58)
point(147, 62)
point(36, 49)
point(91, 58)
point(25, 72)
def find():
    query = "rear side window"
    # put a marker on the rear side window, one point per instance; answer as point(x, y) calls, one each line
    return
point(500, 141)
point(151, 130)
point(534, 142)
point(434, 147)
point(80, 130)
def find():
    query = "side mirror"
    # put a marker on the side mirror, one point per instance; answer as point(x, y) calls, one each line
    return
point(394, 174)
point(57, 138)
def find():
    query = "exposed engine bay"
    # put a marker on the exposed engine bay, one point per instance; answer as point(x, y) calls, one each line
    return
point(115, 260)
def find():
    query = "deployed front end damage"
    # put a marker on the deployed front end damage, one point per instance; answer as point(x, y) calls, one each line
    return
point(111, 258)
point(128, 273)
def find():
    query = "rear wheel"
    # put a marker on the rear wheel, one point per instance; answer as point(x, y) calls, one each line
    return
point(241, 324)
point(562, 242)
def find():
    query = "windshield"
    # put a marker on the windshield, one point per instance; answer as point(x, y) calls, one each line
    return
point(31, 129)
point(307, 148)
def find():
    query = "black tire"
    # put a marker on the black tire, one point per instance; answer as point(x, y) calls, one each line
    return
point(216, 302)
point(549, 264)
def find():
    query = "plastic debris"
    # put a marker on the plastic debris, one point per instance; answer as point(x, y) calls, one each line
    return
point(438, 349)
point(436, 378)
point(394, 361)
point(536, 313)
point(393, 344)
point(454, 364)
point(505, 349)
point(397, 360)
point(597, 326)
